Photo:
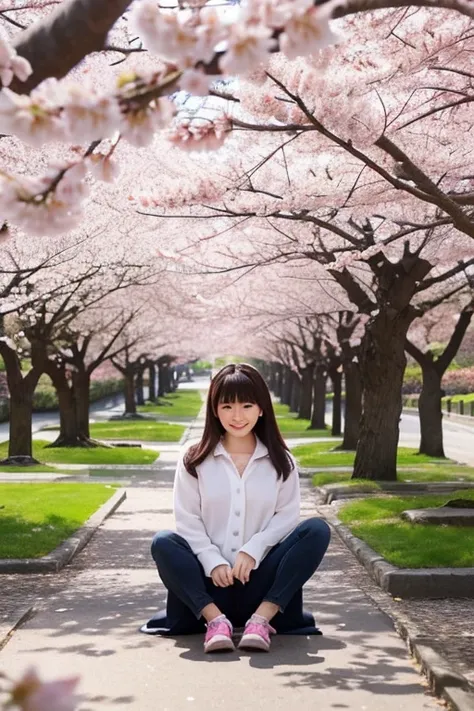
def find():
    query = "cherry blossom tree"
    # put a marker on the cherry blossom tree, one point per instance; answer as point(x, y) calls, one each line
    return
point(384, 203)
point(434, 366)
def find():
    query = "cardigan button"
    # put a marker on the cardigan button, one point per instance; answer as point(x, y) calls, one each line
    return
point(235, 533)
point(237, 513)
point(234, 550)
point(237, 491)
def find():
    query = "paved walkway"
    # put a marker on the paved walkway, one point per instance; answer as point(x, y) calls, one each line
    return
point(87, 617)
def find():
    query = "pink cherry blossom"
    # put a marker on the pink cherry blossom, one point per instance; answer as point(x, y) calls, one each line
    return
point(307, 30)
point(30, 693)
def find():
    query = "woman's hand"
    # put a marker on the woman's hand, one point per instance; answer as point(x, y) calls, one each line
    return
point(222, 576)
point(244, 564)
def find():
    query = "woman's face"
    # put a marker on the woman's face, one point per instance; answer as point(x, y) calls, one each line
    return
point(238, 418)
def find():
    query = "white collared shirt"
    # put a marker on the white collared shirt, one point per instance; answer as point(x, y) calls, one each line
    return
point(221, 513)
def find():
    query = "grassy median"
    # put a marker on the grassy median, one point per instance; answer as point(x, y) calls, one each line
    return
point(324, 454)
point(82, 455)
point(36, 518)
point(140, 430)
point(182, 403)
point(377, 522)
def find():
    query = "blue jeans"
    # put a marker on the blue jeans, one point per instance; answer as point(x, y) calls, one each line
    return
point(279, 579)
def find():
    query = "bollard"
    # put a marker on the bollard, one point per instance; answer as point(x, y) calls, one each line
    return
point(448, 406)
point(471, 408)
point(461, 407)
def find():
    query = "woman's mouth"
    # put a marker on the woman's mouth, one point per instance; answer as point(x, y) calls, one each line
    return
point(238, 427)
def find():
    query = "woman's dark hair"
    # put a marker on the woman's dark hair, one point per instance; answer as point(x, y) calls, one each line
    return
point(240, 383)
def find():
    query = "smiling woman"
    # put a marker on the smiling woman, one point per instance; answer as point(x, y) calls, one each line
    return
point(239, 556)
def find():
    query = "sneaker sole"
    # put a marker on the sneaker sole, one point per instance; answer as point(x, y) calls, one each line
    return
point(253, 641)
point(219, 643)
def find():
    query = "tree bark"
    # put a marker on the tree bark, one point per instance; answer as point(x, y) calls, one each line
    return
point(130, 402)
point(318, 419)
point(287, 386)
point(151, 381)
point(140, 396)
point(353, 406)
point(430, 412)
point(56, 44)
point(20, 445)
point(429, 402)
point(336, 378)
point(295, 392)
point(306, 397)
point(81, 383)
point(382, 366)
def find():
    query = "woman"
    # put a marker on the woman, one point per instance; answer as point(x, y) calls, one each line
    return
point(240, 555)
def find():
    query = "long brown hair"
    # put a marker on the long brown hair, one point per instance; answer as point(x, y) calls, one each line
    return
point(240, 383)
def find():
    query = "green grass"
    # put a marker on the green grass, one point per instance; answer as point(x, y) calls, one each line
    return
point(5, 469)
point(426, 473)
point(377, 521)
point(291, 426)
point(145, 431)
point(80, 455)
point(35, 518)
point(324, 454)
point(458, 398)
point(182, 403)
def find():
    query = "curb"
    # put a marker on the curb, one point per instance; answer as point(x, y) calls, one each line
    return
point(444, 679)
point(68, 549)
point(337, 492)
point(406, 582)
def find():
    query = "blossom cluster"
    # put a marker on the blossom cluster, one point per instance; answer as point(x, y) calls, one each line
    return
point(244, 36)
point(30, 693)
point(74, 113)
point(11, 65)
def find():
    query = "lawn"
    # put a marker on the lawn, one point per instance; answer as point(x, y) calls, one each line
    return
point(182, 403)
point(425, 473)
point(36, 518)
point(291, 426)
point(80, 455)
point(378, 522)
point(458, 398)
point(323, 454)
point(143, 430)
point(34, 469)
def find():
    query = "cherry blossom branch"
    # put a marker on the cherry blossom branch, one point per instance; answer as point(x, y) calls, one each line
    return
point(60, 41)
point(438, 197)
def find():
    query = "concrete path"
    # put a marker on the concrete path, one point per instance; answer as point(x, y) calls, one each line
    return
point(87, 618)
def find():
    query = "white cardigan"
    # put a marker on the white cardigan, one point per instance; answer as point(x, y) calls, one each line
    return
point(221, 513)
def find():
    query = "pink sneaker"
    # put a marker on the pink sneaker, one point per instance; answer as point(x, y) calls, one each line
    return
point(219, 636)
point(257, 634)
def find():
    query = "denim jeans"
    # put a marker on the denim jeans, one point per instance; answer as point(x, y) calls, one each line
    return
point(279, 579)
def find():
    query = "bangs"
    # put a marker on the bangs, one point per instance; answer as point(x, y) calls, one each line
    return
point(236, 387)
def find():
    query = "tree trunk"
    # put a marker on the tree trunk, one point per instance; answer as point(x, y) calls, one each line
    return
point(130, 402)
point(295, 392)
point(318, 419)
point(81, 385)
point(20, 446)
point(161, 380)
point(429, 409)
point(140, 396)
point(336, 378)
point(151, 382)
point(306, 398)
point(68, 432)
point(287, 387)
point(353, 406)
point(382, 366)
